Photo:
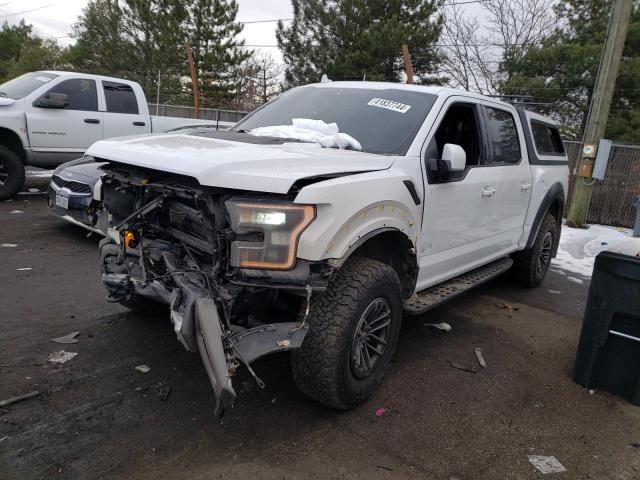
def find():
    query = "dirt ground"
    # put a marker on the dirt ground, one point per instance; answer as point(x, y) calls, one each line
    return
point(98, 417)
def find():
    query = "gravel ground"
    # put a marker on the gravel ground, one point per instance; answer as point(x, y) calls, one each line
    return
point(98, 417)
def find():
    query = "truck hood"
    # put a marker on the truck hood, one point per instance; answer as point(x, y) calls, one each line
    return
point(223, 163)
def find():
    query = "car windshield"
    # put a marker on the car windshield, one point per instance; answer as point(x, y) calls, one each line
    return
point(383, 121)
point(23, 85)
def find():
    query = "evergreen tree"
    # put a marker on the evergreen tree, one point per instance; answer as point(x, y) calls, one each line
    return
point(217, 53)
point(562, 70)
point(347, 39)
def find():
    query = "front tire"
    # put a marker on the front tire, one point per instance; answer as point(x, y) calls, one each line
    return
point(531, 265)
point(353, 332)
point(11, 174)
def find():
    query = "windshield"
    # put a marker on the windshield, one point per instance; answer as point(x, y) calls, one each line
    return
point(25, 84)
point(383, 121)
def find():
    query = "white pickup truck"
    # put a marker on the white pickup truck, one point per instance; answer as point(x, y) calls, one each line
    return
point(48, 118)
point(316, 221)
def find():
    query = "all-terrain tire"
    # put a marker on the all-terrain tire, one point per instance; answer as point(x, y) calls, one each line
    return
point(322, 367)
point(11, 165)
point(531, 265)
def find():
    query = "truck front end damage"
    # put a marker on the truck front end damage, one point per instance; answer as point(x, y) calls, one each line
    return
point(223, 261)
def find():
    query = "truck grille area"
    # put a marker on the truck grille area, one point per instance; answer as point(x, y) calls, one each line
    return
point(72, 185)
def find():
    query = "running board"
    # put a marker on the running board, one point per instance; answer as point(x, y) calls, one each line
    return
point(438, 294)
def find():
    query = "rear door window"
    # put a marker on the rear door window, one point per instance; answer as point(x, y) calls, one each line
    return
point(120, 98)
point(503, 136)
point(546, 138)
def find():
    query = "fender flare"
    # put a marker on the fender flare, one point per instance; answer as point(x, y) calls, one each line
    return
point(554, 194)
point(338, 262)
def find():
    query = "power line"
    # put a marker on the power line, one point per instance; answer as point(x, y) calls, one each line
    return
point(26, 11)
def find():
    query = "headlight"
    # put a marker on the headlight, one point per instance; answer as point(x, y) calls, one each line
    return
point(281, 225)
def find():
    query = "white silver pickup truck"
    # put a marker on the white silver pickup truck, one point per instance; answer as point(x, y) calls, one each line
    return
point(318, 220)
point(49, 118)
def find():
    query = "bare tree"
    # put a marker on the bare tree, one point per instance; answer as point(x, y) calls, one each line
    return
point(474, 59)
point(268, 76)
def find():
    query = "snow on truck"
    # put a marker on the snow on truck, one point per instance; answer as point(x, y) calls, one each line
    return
point(49, 118)
point(316, 221)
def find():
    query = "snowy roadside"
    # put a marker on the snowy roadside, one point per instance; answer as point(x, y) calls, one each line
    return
point(579, 247)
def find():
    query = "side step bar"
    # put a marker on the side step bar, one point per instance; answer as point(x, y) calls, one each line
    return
point(438, 294)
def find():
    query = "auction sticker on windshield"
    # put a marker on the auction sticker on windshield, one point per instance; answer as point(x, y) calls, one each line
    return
point(389, 105)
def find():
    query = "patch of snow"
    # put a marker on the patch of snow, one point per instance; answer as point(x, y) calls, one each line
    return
point(554, 292)
point(8, 245)
point(13, 212)
point(24, 269)
point(308, 130)
point(579, 247)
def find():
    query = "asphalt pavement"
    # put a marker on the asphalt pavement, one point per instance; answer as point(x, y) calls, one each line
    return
point(445, 417)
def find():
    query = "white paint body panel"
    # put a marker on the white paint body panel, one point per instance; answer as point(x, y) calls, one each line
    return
point(243, 166)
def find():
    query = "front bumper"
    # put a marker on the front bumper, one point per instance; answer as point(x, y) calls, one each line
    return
point(79, 208)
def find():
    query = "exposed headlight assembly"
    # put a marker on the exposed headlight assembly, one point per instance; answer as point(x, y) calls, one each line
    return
point(276, 227)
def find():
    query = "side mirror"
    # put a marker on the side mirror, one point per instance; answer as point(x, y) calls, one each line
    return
point(52, 100)
point(454, 154)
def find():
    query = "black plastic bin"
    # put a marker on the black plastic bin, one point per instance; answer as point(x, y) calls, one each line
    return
point(609, 350)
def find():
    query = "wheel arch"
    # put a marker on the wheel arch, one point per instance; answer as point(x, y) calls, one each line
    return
point(553, 203)
point(11, 140)
point(392, 247)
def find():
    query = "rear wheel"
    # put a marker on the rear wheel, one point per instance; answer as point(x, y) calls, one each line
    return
point(531, 265)
point(353, 332)
point(11, 173)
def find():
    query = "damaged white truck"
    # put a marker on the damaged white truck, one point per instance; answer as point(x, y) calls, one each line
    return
point(316, 221)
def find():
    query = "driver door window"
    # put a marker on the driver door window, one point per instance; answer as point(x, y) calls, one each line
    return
point(81, 94)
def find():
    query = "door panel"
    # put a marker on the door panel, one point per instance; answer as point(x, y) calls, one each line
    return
point(73, 128)
point(123, 115)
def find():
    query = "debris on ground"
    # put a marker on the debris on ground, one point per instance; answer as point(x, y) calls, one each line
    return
point(380, 412)
point(4, 438)
point(246, 387)
point(61, 356)
point(163, 391)
point(143, 368)
point(273, 400)
point(506, 306)
point(441, 327)
point(546, 464)
point(460, 367)
point(382, 467)
point(19, 398)
point(71, 338)
point(8, 245)
point(24, 269)
point(480, 358)
point(14, 212)
point(554, 292)
point(34, 190)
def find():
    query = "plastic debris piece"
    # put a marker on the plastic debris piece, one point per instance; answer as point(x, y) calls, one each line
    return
point(554, 292)
point(71, 338)
point(143, 368)
point(460, 367)
point(163, 391)
point(443, 327)
point(480, 358)
point(14, 212)
point(19, 398)
point(546, 464)
point(34, 190)
point(8, 245)
point(4, 438)
point(24, 269)
point(380, 412)
point(61, 356)
point(286, 343)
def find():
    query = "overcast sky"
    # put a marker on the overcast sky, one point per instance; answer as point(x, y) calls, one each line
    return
point(53, 18)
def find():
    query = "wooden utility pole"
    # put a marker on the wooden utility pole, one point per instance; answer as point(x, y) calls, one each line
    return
point(194, 81)
point(600, 104)
point(407, 63)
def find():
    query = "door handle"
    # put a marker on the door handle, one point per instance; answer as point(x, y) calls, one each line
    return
point(525, 186)
point(488, 192)
point(139, 124)
point(91, 120)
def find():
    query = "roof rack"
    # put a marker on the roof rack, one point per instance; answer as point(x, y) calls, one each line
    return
point(521, 100)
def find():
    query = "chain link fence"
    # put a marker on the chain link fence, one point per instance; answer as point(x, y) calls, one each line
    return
point(611, 199)
point(212, 114)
